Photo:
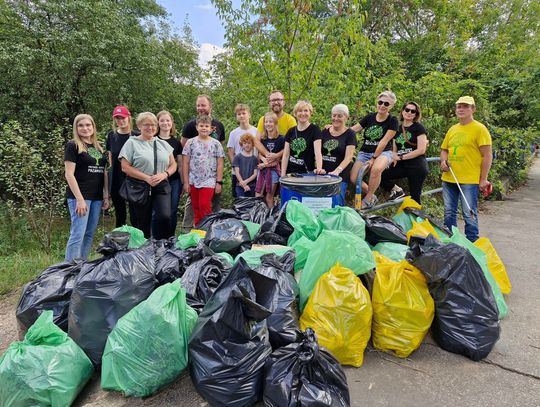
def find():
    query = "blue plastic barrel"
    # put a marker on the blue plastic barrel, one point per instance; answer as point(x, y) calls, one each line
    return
point(315, 191)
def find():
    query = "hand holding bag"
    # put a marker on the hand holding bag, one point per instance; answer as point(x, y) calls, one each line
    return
point(135, 190)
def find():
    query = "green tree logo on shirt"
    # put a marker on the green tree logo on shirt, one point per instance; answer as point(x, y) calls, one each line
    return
point(330, 145)
point(456, 141)
point(374, 133)
point(298, 146)
point(95, 154)
point(400, 140)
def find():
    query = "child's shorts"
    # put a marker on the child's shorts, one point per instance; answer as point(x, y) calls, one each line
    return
point(365, 157)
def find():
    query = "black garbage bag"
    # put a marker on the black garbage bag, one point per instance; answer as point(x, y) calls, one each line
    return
point(283, 324)
point(277, 223)
point(113, 242)
point(229, 343)
point(104, 291)
point(434, 221)
point(227, 236)
point(380, 229)
point(209, 220)
point(202, 278)
point(251, 209)
point(269, 238)
point(466, 313)
point(51, 290)
point(304, 375)
point(174, 262)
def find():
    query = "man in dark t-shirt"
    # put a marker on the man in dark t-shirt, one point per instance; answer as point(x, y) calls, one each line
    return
point(204, 107)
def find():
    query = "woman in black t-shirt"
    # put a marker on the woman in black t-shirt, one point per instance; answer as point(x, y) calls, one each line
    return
point(376, 151)
point(84, 162)
point(410, 144)
point(167, 132)
point(338, 145)
point(302, 151)
point(116, 138)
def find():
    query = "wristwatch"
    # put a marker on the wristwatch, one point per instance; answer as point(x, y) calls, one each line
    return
point(219, 182)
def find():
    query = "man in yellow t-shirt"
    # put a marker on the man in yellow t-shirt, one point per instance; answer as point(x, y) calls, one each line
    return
point(466, 148)
point(285, 120)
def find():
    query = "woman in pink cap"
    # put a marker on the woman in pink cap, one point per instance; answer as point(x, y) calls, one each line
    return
point(117, 137)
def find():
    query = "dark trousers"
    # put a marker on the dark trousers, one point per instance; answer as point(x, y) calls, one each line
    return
point(120, 212)
point(234, 184)
point(415, 171)
point(159, 204)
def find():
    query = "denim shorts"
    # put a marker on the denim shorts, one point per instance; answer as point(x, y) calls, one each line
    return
point(275, 177)
point(365, 157)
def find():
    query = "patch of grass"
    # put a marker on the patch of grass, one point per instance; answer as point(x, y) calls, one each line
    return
point(19, 268)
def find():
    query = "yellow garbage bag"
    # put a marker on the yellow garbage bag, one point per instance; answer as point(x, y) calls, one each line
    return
point(402, 308)
point(408, 202)
point(422, 229)
point(339, 311)
point(495, 264)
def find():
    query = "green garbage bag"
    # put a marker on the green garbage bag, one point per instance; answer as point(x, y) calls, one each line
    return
point(480, 257)
point(136, 238)
point(188, 240)
point(47, 368)
point(331, 247)
point(405, 220)
point(227, 257)
point(302, 247)
point(148, 347)
point(303, 220)
point(343, 218)
point(253, 228)
point(394, 251)
point(253, 256)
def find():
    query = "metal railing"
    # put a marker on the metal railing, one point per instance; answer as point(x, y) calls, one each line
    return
point(358, 195)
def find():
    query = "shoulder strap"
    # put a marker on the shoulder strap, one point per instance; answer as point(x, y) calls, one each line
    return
point(155, 156)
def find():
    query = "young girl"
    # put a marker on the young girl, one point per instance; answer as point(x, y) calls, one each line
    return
point(269, 170)
point(245, 167)
point(202, 168)
point(84, 162)
point(167, 132)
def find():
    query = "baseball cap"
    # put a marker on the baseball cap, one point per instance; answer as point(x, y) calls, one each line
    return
point(120, 111)
point(468, 100)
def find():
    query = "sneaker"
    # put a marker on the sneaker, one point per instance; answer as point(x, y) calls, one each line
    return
point(369, 204)
point(396, 195)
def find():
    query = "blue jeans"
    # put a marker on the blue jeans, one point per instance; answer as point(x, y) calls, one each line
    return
point(451, 197)
point(81, 233)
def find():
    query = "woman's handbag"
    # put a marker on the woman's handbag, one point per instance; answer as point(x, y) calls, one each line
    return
point(135, 190)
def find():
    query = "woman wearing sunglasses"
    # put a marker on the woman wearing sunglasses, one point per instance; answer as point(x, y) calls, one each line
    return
point(409, 160)
point(379, 129)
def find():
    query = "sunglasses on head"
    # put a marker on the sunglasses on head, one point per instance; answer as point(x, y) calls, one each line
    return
point(381, 102)
point(413, 111)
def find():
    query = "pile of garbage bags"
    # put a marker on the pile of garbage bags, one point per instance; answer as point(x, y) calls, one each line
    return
point(257, 304)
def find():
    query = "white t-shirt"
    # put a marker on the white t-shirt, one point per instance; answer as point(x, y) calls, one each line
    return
point(234, 139)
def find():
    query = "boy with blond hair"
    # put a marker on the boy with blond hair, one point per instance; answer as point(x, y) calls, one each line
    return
point(243, 115)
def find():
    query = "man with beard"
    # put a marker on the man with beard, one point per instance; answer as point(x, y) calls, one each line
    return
point(204, 107)
point(285, 120)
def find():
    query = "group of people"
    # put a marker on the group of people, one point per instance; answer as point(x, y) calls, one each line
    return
point(280, 144)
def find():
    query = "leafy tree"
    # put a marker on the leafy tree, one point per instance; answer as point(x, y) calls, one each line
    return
point(58, 59)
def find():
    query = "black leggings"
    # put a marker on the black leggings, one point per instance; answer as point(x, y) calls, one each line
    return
point(160, 204)
point(415, 171)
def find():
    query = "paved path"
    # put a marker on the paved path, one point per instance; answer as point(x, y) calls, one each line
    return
point(510, 376)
